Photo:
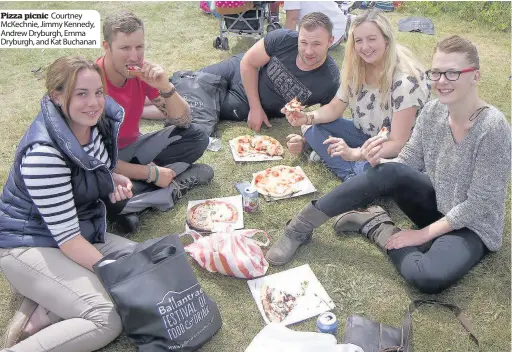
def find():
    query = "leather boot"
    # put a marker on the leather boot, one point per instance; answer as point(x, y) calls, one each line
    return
point(298, 231)
point(373, 223)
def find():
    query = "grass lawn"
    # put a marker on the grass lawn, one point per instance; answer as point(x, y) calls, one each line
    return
point(358, 277)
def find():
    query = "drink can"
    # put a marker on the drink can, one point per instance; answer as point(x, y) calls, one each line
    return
point(250, 200)
point(327, 323)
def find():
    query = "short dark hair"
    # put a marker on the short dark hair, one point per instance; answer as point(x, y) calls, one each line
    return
point(456, 44)
point(314, 20)
point(124, 22)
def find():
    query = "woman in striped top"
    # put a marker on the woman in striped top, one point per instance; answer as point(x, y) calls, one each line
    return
point(52, 214)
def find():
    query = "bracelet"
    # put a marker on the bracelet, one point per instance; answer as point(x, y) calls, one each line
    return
point(156, 175)
point(310, 118)
point(150, 174)
point(169, 93)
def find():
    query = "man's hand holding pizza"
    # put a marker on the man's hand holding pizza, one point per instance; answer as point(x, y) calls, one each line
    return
point(154, 75)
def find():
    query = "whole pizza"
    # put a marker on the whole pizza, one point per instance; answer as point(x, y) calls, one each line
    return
point(276, 303)
point(203, 216)
point(253, 145)
point(278, 181)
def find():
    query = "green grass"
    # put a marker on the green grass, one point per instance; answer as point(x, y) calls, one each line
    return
point(355, 273)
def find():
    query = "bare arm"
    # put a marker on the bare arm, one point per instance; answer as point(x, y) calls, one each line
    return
point(174, 109)
point(292, 18)
point(79, 250)
point(330, 112)
point(132, 171)
point(401, 127)
point(253, 59)
point(436, 229)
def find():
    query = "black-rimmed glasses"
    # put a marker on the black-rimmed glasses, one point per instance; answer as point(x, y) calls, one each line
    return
point(449, 75)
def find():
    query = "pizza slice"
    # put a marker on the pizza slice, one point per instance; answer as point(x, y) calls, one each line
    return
point(267, 145)
point(383, 133)
point(277, 304)
point(294, 106)
point(242, 145)
point(134, 70)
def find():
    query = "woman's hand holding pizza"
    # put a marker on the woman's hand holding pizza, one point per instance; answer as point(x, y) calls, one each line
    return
point(295, 143)
point(295, 118)
point(338, 147)
point(371, 150)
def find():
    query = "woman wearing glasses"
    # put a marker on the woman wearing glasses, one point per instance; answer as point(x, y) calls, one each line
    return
point(382, 84)
point(450, 179)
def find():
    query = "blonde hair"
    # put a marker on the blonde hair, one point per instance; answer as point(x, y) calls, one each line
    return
point(456, 44)
point(61, 76)
point(396, 57)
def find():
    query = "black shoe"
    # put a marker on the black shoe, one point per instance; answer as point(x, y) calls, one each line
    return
point(196, 174)
point(127, 223)
point(202, 173)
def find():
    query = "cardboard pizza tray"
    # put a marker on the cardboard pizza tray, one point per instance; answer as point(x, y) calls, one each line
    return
point(312, 301)
point(254, 157)
point(303, 187)
point(235, 200)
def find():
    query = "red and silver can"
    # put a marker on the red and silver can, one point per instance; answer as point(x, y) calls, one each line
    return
point(250, 200)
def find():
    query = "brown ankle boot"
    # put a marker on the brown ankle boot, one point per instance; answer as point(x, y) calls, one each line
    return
point(374, 223)
point(297, 232)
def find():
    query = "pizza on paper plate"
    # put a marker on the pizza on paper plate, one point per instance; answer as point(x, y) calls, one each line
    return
point(383, 133)
point(278, 181)
point(294, 106)
point(205, 215)
point(254, 145)
point(276, 303)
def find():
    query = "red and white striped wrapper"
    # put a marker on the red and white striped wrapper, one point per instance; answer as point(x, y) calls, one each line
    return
point(232, 253)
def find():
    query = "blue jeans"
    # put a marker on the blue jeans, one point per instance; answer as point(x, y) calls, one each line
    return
point(341, 128)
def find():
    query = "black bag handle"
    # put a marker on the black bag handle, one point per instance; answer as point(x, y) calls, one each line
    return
point(406, 329)
point(159, 255)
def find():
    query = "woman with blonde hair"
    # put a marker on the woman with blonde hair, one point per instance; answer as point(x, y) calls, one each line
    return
point(52, 215)
point(450, 180)
point(383, 85)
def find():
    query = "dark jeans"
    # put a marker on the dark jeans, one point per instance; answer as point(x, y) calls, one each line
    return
point(341, 128)
point(163, 147)
point(451, 255)
point(235, 106)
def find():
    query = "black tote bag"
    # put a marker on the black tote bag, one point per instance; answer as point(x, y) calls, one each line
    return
point(157, 295)
point(205, 93)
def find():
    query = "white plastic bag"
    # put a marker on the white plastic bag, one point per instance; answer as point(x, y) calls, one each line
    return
point(278, 338)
